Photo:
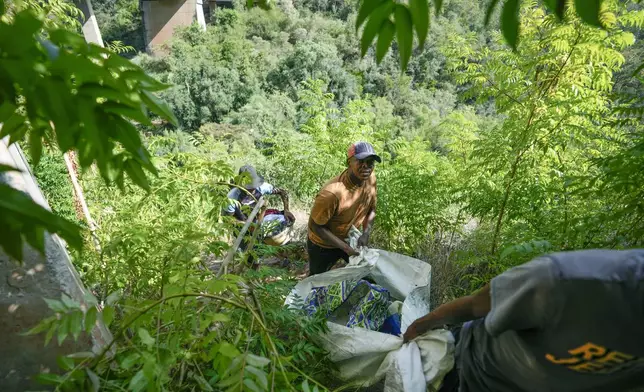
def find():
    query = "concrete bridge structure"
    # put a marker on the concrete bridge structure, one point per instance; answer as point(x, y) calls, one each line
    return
point(160, 18)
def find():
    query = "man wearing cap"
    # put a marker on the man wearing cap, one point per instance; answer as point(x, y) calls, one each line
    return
point(347, 200)
point(254, 190)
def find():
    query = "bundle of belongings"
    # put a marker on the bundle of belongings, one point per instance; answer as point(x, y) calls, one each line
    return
point(368, 305)
point(356, 303)
point(276, 229)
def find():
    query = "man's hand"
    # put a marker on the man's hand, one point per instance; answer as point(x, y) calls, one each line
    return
point(290, 218)
point(364, 239)
point(412, 332)
point(350, 251)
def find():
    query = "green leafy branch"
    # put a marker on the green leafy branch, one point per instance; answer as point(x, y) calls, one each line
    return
point(388, 18)
point(81, 97)
point(246, 371)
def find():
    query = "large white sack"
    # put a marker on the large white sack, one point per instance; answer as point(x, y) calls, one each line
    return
point(366, 356)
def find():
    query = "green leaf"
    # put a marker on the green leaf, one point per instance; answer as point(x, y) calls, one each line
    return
point(112, 298)
point(41, 327)
point(50, 333)
point(49, 379)
point(65, 363)
point(257, 361)
point(234, 379)
point(55, 305)
point(556, 6)
point(259, 374)
point(203, 384)
point(588, 11)
point(234, 366)
point(6, 168)
point(438, 6)
point(420, 16)
point(638, 70)
point(90, 318)
point(108, 315)
point(138, 382)
point(96, 382)
point(510, 22)
point(305, 386)
point(384, 40)
point(228, 350)
point(126, 111)
point(19, 203)
point(76, 324)
point(219, 317)
point(130, 360)
point(377, 18)
point(89, 299)
point(82, 355)
point(490, 11)
point(69, 303)
point(250, 384)
point(145, 337)
point(136, 174)
point(404, 34)
point(366, 8)
point(63, 329)
point(159, 107)
point(35, 145)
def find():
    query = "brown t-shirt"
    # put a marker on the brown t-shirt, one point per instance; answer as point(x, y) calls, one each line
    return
point(342, 204)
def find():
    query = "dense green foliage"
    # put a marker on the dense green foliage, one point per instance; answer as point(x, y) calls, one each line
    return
point(491, 156)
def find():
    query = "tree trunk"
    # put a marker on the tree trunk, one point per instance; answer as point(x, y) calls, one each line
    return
point(79, 199)
point(504, 203)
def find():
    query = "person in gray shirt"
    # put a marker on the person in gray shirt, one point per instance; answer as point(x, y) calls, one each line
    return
point(565, 322)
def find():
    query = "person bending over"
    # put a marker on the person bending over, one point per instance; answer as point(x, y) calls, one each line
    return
point(565, 322)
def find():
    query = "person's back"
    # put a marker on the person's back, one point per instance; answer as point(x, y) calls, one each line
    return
point(565, 322)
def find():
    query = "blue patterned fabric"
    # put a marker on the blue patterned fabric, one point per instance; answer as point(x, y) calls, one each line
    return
point(391, 325)
point(354, 303)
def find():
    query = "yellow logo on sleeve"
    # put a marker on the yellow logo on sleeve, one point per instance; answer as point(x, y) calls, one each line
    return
point(596, 359)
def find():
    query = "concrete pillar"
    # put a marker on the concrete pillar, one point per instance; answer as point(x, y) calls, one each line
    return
point(161, 17)
point(201, 18)
point(22, 289)
point(90, 25)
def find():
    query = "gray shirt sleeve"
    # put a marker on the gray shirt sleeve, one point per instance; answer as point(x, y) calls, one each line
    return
point(521, 297)
point(233, 196)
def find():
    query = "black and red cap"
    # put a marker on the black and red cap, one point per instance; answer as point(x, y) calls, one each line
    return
point(362, 150)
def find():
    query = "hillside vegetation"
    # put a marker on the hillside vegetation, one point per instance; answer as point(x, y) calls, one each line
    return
point(490, 157)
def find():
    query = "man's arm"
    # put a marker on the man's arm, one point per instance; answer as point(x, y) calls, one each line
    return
point(325, 234)
point(284, 195)
point(367, 226)
point(239, 214)
point(460, 310)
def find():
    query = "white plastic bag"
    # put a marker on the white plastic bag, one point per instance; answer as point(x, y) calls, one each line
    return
point(366, 356)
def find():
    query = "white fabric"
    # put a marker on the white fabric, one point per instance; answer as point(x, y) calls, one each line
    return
point(278, 218)
point(366, 356)
point(266, 188)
